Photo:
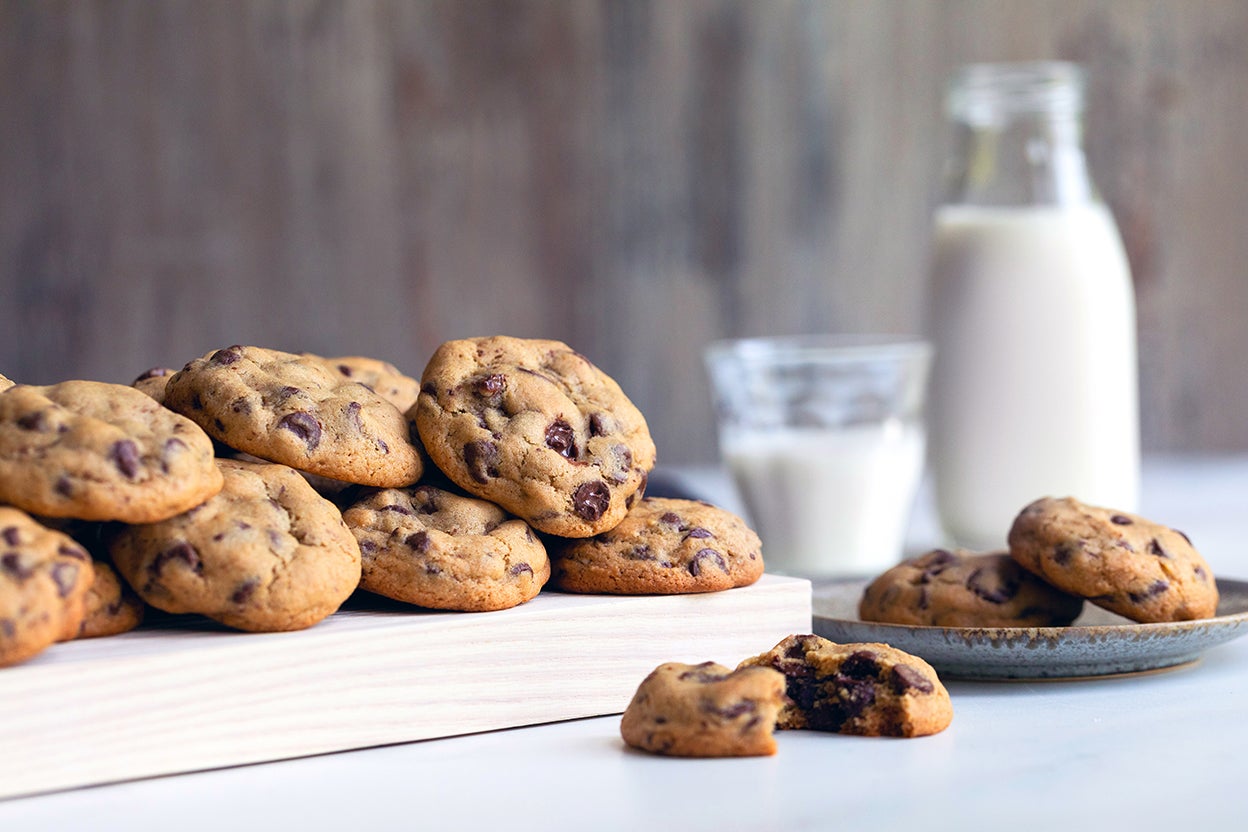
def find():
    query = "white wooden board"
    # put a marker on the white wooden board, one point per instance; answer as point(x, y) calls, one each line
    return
point(163, 701)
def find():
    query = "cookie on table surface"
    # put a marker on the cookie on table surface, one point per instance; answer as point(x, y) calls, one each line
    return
point(96, 451)
point(44, 580)
point(662, 546)
point(1120, 561)
point(266, 554)
point(296, 410)
point(112, 607)
point(153, 382)
point(862, 689)
point(430, 547)
point(705, 710)
point(380, 376)
point(965, 589)
point(534, 426)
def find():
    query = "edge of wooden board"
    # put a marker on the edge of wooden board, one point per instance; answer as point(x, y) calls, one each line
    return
point(156, 702)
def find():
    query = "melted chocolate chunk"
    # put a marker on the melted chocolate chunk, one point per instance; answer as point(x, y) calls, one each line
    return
point(64, 575)
point(599, 424)
point(1008, 586)
point(1154, 548)
point(419, 542)
point(353, 416)
point(906, 678)
point(183, 552)
point(227, 356)
point(734, 711)
point(11, 535)
point(491, 386)
point(703, 674)
point(125, 455)
point(519, 569)
point(76, 552)
point(244, 591)
point(63, 486)
point(1120, 520)
point(671, 519)
point(37, 421)
point(1152, 590)
point(861, 664)
point(591, 500)
point(397, 509)
point(838, 700)
point(303, 425)
point(1062, 554)
point(698, 532)
point(640, 552)
point(11, 564)
point(481, 458)
point(561, 439)
point(695, 565)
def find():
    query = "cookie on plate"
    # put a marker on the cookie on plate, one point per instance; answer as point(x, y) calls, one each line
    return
point(112, 607)
point(44, 580)
point(965, 589)
point(533, 426)
point(96, 451)
point(430, 547)
point(266, 554)
point(153, 382)
point(705, 710)
point(863, 689)
point(1134, 567)
point(380, 376)
point(296, 410)
point(662, 546)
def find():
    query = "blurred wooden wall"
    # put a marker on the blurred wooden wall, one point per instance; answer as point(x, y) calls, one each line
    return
point(636, 178)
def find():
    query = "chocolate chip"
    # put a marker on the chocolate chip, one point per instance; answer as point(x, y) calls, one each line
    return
point(125, 455)
point(367, 547)
point(64, 575)
point(695, 565)
point(1120, 520)
point(63, 486)
point(1007, 586)
point(37, 421)
point(397, 509)
point(1185, 537)
point(599, 424)
point(244, 591)
point(861, 664)
point(183, 552)
point(519, 569)
point(75, 552)
point(11, 564)
point(702, 673)
point(303, 425)
point(561, 439)
point(196, 402)
point(906, 678)
point(671, 519)
point(491, 386)
point(11, 535)
point(1153, 589)
point(481, 458)
point(353, 416)
point(220, 426)
point(1199, 571)
point(591, 500)
point(698, 532)
point(840, 700)
point(1154, 548)
point(429, 388)
point(418, 541)
point(639, 552)
point(155, 372)
point(345, 370)
point(227, 356)
point(7, 628)
point(623, 459)
point(734, 711)
point(1062, 554)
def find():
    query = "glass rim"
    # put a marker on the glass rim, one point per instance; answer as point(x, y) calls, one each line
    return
point(830, 348)
point(983, 92)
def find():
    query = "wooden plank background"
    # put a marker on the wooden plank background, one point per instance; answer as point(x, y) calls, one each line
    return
point(636, 178)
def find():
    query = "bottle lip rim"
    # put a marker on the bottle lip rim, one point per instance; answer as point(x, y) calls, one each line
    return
point(988, 93)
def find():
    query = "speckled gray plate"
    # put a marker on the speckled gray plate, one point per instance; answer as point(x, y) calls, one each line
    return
point(1099, 643)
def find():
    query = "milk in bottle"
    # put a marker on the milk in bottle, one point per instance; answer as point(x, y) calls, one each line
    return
point(1034, 384)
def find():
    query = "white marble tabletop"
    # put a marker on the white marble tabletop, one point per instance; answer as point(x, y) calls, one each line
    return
point(1152, 751)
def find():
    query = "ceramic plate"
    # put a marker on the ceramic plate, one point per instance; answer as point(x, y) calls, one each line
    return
point(1099, 643)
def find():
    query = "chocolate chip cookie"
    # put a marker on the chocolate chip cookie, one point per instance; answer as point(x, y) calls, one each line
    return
point(5, 384)
point(266, 554)
point(538, 429)
point(380, 376)
point(705, 710)
point(662, 546)
point(863, 689)
point(153, 382)
point(112, 607)
point(430, 547)
point(965, 589)
point(296, 410)
point(1122, 562)
point(98, 451)
point(44, 580)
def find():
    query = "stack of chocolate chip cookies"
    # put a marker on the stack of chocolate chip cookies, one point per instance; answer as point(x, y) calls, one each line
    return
point(262, 488)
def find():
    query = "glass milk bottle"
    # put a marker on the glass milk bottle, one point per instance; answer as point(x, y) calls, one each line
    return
point(1034, 384)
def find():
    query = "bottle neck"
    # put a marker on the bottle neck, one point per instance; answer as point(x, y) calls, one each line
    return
point(1018, 136)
